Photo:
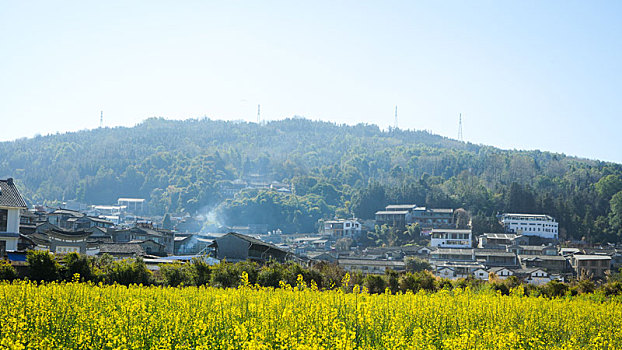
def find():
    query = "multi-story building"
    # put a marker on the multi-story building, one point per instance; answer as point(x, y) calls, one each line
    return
point(538, 225)
point(400, 215)
point(342, 228)
point(451, 238)
point(429, 218)
point(591, 265)
point(11, 203)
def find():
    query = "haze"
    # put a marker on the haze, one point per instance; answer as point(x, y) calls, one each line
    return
point(525, 75)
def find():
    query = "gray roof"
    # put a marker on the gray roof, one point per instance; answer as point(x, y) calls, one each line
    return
point(121, 248)
point(9, 195)
point(391, 212)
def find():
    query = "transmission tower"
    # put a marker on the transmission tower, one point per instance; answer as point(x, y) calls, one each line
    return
point(101, 119)
point(460, 138)
point(396, 117)
point(258, 114)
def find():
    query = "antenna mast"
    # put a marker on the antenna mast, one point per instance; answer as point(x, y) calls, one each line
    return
point(396, 116)
point(258, 114)
point(460, 138)
point(101, 119)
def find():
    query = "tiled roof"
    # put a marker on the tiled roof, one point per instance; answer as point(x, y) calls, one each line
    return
point(121, 248)
point(9, 195)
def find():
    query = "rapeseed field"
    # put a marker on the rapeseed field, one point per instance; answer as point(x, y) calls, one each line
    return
point(87, 316)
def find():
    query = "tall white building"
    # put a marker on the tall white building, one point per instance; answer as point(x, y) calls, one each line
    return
point(342, 228)
point(451, 238)
point(538, 225)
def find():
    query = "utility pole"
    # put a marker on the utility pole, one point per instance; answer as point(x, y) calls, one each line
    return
point(101, 119)
point(258, 114)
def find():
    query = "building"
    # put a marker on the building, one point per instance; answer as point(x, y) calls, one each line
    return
point(451, 238)
point(60, 241)
point(400, 215)
point(429, 218)
point(336, 229)
point(371, 266)
point(543, 226)
point(590, 265)
point(550, 263)
point(501, 240)
point(144, 232)
point(75, 220)
point(11, 204)
point(235, 247)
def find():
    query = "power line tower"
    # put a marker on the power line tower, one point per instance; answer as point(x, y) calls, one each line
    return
point(101, 119)
point(396, 117)
point(258, 114)
point(460, 138)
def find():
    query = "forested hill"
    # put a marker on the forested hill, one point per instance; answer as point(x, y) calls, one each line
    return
point(335, 170)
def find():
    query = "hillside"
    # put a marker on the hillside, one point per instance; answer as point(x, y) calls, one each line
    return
point(183, 166)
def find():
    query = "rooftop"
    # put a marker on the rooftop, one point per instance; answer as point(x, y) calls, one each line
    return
point(9, 195)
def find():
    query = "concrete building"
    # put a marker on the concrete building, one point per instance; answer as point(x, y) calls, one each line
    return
point(451, 238)
point(538, 225)
point(11, 204)
point(371, 266)
point(590, 265)
point(336, 229)
point(235, 247)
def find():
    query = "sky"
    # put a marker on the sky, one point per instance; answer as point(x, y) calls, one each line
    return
point(524, 74)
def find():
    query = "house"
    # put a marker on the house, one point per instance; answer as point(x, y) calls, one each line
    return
point(454, 271)
point(192, 245)
point(238, 247)
point(550, 263)
point(501, 272)
point(371, 266)
point(500, 240)
point(481, 274)
point(60, 241)
point(11, 204)
point(143, 232)
point(591, 265)
point(400, 215)
point(121, 250)
point(451, 238)
point(341, 228)
point(535, 276)
point(74, 220)
point(441, 255)
point(496, 258)
point(533, 250)
point(543, 226)
point(430, 218)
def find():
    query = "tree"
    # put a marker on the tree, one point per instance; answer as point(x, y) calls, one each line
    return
point(615, 217)
point(42, 266)
point(416, 264)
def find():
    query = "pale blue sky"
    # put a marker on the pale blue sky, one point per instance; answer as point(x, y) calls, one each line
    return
point(524, 74)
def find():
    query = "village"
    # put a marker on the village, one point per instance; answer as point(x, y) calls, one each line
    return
point(528, 247)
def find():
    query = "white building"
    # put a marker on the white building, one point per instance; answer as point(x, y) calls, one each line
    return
point(451, 238)
point(538, 225)
point(342, 228)
point(11, 202)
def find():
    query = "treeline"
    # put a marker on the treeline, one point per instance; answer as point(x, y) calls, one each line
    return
point(44, 267)
point(334, 170)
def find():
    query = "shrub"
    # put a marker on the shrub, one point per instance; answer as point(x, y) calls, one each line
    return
point(554, 289)
point(7, 272)
point(176, 274)
point(374, 283)
point(80, 264)
point(128, 271)
point(417, 281)
point(201, 272)
point(42, 266)
point(270, 276)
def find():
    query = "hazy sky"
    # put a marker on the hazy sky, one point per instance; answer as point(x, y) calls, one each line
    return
point(524, 74)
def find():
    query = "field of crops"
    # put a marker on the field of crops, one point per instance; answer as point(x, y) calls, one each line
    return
point(85, 316)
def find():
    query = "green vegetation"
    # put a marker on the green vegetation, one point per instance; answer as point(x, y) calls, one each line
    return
point(335, 170)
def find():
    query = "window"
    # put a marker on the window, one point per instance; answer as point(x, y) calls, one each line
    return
point(4, 215)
